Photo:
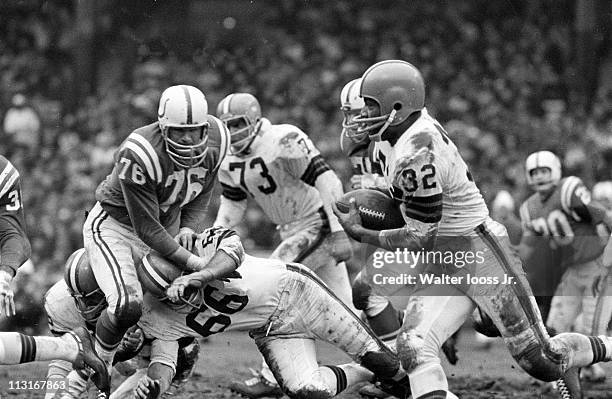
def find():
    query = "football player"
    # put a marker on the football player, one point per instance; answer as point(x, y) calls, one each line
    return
point(77, 302)
point(444, 212)
point(561, 214)
point(280, 168)
point(154, 198)
point(280, 304)
point(15, 247)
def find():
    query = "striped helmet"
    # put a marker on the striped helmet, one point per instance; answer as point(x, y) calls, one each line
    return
point(184, 107)
point(156, 274)
point(83, 287)
point(350, 105)
point(543, 159)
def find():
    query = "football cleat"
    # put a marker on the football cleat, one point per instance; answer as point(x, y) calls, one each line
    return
point(256, 387)
point(569, 385)
point(88, 357)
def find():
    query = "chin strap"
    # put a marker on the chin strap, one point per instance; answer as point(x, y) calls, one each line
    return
point(378, 135)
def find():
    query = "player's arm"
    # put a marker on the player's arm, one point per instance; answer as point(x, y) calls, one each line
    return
point(421, 205)
point(304, 161)
point(14, 244)
point(576, 199)
point(233, 203)
point(193, 215)
point(138, 184)
point(227, 255)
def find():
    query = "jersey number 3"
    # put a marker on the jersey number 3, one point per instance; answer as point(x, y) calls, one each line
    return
point(269, 185)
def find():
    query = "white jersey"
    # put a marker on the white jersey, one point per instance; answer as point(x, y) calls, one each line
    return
point(62, 313)
point(427, 174)
point(279, 173)
point(240, 304)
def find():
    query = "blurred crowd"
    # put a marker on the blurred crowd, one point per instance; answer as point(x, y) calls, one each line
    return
point(497, 78)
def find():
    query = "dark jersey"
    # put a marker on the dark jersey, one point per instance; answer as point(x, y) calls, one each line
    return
point(147, 191)
point(360, 155)
point(565, 221)
point(14, 244)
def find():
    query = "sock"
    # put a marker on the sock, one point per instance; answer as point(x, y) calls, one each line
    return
point(602, 348)
point(108, 337)
point(16, 348)
point(345, 375)
point(385, 324)
point(58, 370)
point(428, 381)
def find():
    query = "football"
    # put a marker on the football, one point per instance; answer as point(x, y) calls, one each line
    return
point(378, 211)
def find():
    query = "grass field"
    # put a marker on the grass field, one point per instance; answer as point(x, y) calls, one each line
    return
point(480, 374)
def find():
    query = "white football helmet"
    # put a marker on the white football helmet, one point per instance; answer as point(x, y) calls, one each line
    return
point(184, 107)
point(156, 274)
point(602, 193)
point(543, 159)
point(236, 108)
point(83, 287)
point(351, 104)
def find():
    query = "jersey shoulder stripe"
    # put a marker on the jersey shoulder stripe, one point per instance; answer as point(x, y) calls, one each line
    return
point(568, 187)
point(8, 177)
point(147, 155)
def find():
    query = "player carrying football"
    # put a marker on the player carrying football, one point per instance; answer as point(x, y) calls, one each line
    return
point(280, 168)
point(158, 190)
point(444, 211)
point(14, 244)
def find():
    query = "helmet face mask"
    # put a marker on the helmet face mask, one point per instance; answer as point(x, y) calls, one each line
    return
point(183, 120)
point(543, 169)
point(397, 89)
point(350, 105)
point(241, 114)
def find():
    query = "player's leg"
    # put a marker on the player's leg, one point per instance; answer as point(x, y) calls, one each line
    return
point(430, 320)
point(596, 311)
point(110, 247)
point(293, 362)
point(514, 311)
point(566, 305)
point(381, 315)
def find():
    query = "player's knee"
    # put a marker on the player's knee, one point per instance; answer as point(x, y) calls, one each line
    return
point(361, 292)
point(411, 349)
point(537, 364)
point(129, 313)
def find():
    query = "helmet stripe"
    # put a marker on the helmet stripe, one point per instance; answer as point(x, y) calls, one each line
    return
point(226, 104)
point(189, 106)
point(148, 148)
point(350, 90)
point(154, 274)
point(73, 269)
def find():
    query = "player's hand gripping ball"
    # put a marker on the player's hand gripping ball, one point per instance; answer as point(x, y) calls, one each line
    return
point(377, 210)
